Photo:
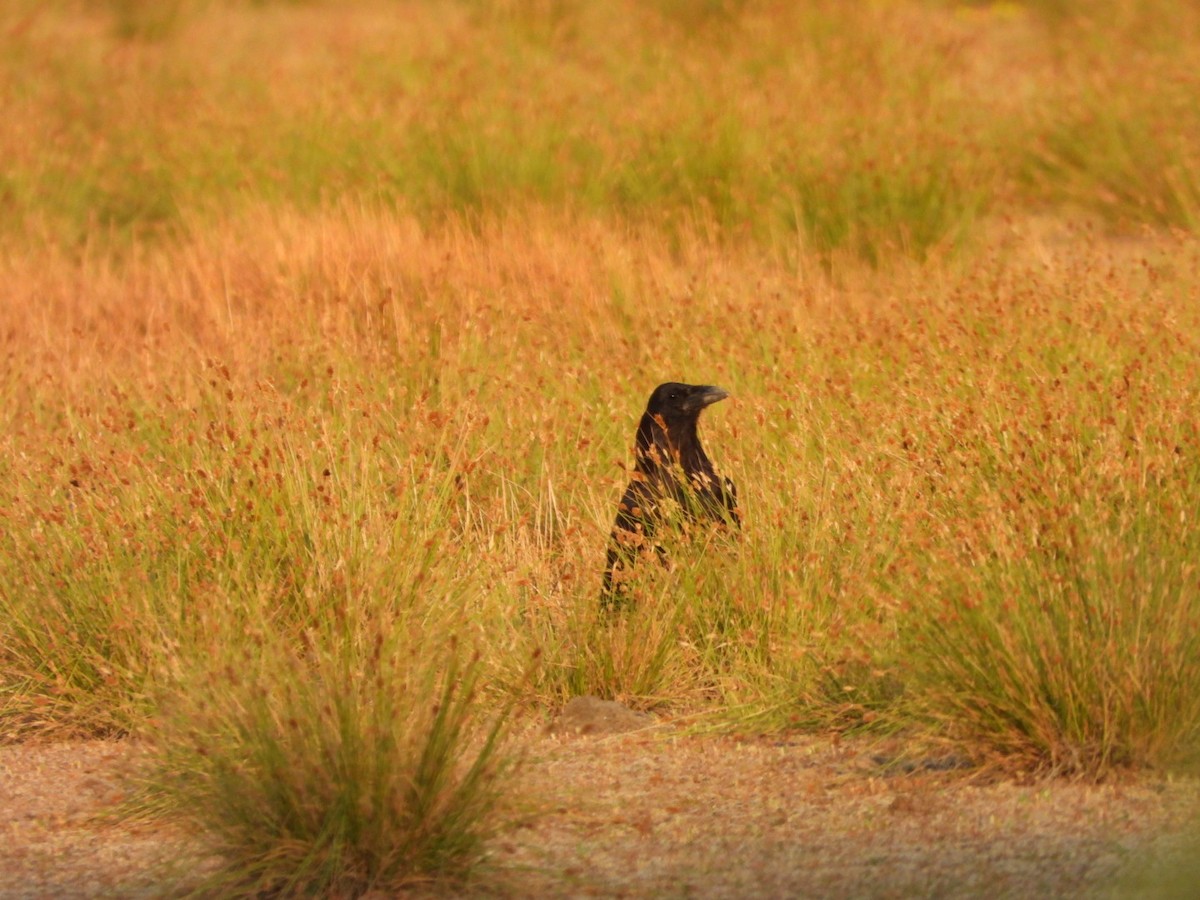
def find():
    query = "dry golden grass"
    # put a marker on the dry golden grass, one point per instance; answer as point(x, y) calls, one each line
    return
point(870, 129)
point(286, 407)
point(353, 343)
point(946, 471)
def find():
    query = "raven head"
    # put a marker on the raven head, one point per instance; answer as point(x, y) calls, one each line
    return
point(676, 403)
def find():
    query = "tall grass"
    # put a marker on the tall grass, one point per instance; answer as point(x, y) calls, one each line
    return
point(304, 374)
point(997, 457)
point(1065, 617)
point(1123, 137)
point(261, 590)
point(869, 130)
point(837, 127)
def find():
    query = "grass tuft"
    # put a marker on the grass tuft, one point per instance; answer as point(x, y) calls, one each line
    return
point(365, 765)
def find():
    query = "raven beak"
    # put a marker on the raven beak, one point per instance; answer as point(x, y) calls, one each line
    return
point(706, 395)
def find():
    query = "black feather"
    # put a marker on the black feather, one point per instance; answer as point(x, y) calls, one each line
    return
point(672, 476)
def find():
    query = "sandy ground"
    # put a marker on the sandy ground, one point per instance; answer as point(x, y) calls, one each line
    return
point(661, 814)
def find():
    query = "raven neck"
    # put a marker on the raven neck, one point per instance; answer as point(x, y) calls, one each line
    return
point(676, 444)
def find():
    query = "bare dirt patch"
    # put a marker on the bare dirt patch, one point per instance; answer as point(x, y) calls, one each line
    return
point(647, 815)
point(657, 813)
point(59, 831)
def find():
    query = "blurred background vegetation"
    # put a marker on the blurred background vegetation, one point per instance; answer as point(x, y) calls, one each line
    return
point(873, 127)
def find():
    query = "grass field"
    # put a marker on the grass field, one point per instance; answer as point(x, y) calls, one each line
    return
point(325, 329)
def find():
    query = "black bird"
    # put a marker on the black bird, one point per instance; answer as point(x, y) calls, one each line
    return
point(672, 477)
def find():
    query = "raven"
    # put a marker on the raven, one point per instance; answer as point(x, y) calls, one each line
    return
point(672, 472)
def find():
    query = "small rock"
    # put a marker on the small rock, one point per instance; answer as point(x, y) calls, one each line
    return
point(591, 715)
